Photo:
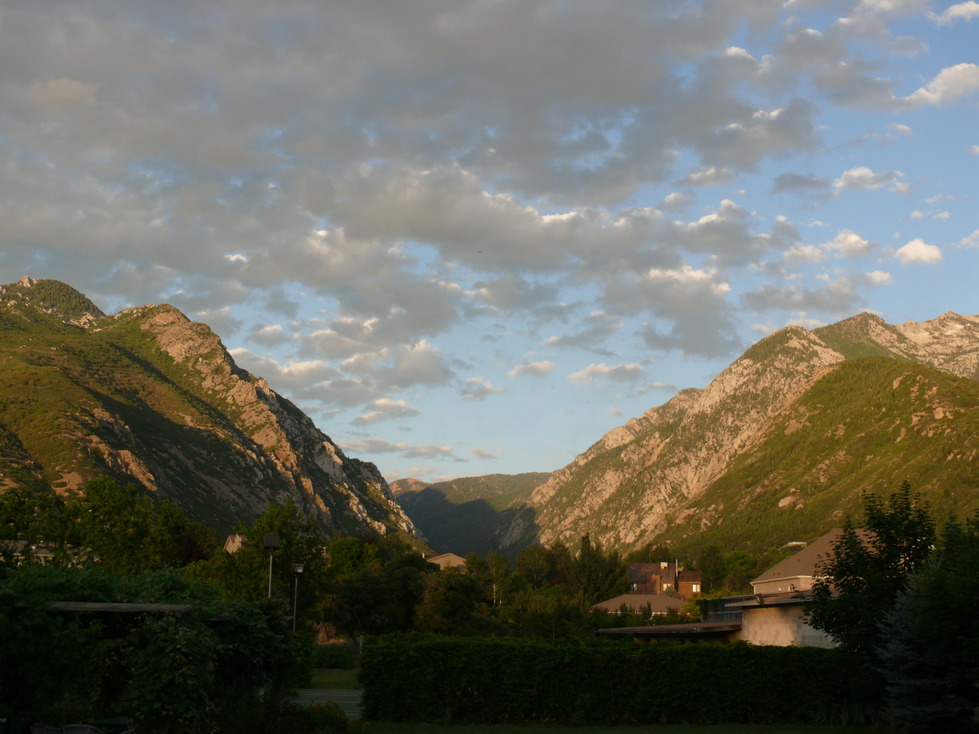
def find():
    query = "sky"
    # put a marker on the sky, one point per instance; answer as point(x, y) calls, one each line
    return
point(472, 236)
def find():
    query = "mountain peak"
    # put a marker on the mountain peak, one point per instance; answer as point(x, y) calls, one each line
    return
point(54, 298)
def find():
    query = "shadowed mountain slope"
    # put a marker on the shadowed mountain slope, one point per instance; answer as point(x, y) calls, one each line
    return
point(149, 397)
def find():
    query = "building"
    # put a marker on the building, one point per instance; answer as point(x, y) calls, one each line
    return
point(663, 578)
point(773, 615)
point(447, 560)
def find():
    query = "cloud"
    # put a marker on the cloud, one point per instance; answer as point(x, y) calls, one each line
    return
point(970, 241)
point(712, 176)
point(532, 369)
point(918, 252)
point(799, 183)
point(599, 326)
point(484, 455)
point(62, 92)
point(478, 388)
point(268, 335)
point(848, 244)
point(960, 11)
point(616, 373)
point(386, 409)
point(412, 451)
point(863, 178)
point(950, 84)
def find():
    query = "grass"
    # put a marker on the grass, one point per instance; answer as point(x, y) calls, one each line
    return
point(389, 728)
point(334, 678)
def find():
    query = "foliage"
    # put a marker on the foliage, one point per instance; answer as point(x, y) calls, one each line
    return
point(510, 680)
point(190, 671)
point(930, 653)
point(868, 570)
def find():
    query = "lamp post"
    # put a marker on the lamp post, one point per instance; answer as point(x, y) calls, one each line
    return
point(297, 571)
point(271, 542)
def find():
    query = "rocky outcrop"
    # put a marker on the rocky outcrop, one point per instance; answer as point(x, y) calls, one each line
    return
point(642, 477)
point(150, 397)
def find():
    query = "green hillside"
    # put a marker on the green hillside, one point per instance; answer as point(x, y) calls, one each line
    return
point(869, 424)
point(461, 515)
point(150, 398)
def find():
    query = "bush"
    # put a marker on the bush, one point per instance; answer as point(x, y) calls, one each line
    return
point(333, 656)
point(511, 680)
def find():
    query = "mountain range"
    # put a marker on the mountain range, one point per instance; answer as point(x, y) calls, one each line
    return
point(780, 445)
point(150, 398)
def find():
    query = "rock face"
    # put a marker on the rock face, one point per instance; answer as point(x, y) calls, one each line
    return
point(149, 397)
point(654, 478)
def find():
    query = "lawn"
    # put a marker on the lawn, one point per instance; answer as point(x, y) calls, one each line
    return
point(388, 728)
point(334, 678)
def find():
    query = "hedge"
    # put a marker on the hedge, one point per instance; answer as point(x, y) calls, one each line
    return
point(412, 678)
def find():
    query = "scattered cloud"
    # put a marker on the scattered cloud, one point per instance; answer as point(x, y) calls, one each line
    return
point(532, 369)
point(863, 178)
point(478, 388)
point(385, 409)
point(960, 11)
point(617, 373)
point(918, 252)
point(950, 84)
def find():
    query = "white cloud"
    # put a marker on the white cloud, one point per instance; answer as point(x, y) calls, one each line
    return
point(878, 277)
point(960, 11)
point(848, 244)
point(386, 409)
point(478, 388)
point(804, 254)
point(950, 84)
point(863, 178)
point(616, 372)
point(917, 251)
point(532, 369)
point(712, 176)
point(970, 241)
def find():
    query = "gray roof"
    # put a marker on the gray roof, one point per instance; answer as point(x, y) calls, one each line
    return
point(807, 562)
point(658, 603)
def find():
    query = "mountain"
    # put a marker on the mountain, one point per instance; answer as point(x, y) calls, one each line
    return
point(462, 515)
point(781, 444)
point(149, 397)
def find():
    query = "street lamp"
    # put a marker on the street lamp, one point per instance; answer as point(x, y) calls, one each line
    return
point(271, 542)
point(297, 571)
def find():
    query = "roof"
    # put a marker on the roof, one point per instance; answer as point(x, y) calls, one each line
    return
point(658, 603)
point(693, 629)
point(770, 600)
point(444, 560)
point(805, 562)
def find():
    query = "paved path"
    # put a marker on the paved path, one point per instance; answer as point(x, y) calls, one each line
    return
point(347, 699)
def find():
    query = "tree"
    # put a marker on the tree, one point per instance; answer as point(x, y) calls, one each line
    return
point(710, 563)
point(929, 655)
point(868, 569)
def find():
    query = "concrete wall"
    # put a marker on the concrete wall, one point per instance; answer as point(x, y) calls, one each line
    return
point(780, 625)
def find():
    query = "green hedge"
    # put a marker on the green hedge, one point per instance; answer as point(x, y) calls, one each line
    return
point(508, 680)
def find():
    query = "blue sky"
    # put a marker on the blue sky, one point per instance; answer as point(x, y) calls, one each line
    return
point(472, 236)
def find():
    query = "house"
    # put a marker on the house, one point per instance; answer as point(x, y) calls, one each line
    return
point(798, 571)
point(656, 603)
point(661, 578)
point(233, 543)
point(447, 560)
point(773, 615)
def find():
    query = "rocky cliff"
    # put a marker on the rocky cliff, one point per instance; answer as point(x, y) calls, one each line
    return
point(679, 470)
point(149, 397)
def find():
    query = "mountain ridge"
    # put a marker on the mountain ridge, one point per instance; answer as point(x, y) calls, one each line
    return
point(625, 488)
point(150, 397)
